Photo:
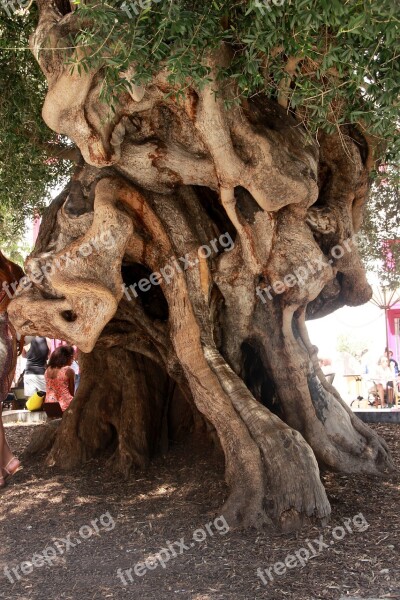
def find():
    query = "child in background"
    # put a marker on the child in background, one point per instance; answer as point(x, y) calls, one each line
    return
point(60, 377)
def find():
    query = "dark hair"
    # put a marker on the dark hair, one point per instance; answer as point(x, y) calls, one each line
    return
point(61, 357)
point(9, 272)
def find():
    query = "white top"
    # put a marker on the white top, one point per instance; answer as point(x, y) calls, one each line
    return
point(383, 375)
point(75, 367)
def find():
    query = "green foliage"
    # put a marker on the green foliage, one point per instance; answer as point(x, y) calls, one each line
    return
point(381, 246)
point(355, 346)
point(26, 171)
point(348, 72)
point(16, 249)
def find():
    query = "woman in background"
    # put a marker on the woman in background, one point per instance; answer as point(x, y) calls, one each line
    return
point(10, 273)
point(383, 379)
point(60, 377)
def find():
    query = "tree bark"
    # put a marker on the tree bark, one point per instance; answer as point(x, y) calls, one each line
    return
point(225, 205)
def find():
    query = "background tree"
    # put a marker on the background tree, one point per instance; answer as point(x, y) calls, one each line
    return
point(200, 123)
point(356, 347)
point(380, 247)
point(26, 177)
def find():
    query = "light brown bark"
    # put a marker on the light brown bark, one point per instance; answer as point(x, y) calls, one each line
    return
point(166, 178)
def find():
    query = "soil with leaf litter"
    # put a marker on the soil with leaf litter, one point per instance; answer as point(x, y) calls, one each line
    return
point(179, 494)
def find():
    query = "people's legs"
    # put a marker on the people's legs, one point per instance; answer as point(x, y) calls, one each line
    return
point(41, 383)
point(8, 463)
point(7, 459)
point(5, 453)
point(389, 391)
point(381, 393)
point(29, 385)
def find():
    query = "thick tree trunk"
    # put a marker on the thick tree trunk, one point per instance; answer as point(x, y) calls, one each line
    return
point(123, 401)
point(240, 214)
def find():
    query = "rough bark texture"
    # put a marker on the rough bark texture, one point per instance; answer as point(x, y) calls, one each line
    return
point(159, 180)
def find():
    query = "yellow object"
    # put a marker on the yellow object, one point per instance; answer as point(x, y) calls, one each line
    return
point(35, 402)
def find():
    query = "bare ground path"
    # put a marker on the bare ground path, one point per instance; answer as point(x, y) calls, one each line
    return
point(177, 496)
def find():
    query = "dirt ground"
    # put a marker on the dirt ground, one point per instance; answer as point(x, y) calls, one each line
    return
point(356, 556)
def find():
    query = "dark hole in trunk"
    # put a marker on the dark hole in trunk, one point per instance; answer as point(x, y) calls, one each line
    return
point(246, 204)
point(69, 315)
point(136, 279)
point(110, 440)
point(258, 380)
point(64, 6)
point(324, 185)
point(78, 202)
point(212, 206)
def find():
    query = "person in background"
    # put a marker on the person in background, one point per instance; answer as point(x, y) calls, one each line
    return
point(36, 352)
point(395, 366)
point(392, 362)
point(383, 379)
point(9, 273)
point(326, 365)
point(75, 367)
point(60, 377)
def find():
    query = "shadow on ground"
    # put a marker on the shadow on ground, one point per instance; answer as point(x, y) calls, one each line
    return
point(179, 494)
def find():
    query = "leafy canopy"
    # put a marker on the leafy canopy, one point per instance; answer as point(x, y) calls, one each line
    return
point(346, 71)
point(28, 149)
point(381, 246)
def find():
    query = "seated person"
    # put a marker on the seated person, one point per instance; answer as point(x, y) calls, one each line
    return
point(393, 364)
point(383, 379)
point(60, 378)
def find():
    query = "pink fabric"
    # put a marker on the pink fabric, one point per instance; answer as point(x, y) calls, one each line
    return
point(392, 314)
point(36, 226)
point(57, 389)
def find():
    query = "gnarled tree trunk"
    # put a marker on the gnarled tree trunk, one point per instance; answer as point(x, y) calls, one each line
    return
point(229, 226)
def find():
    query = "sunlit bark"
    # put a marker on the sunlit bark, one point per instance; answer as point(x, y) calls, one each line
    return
point(270, 208)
